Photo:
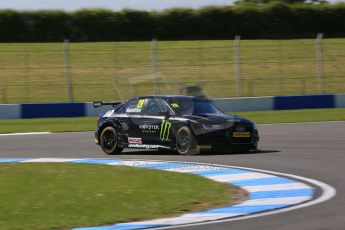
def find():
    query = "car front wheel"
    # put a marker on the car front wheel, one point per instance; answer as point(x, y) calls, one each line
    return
point(109, 142)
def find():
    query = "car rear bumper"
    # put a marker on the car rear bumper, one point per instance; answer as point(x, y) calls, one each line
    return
point(96, 138)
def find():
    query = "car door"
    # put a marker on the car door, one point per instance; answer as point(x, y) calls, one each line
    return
point(131, 120)
point(156, 127)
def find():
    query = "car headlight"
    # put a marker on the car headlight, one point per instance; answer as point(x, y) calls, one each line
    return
point(255, 127)
point(208, 126)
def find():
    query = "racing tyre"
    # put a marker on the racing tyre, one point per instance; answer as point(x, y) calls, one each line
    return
point(185, 142)
point(109, 142)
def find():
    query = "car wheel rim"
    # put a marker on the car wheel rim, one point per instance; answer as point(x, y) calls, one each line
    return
point(183, 141)
point(109, 140)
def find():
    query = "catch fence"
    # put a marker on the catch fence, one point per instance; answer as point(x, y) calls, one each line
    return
point(58, 72)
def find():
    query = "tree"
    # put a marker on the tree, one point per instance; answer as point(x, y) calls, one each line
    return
point(261, 2)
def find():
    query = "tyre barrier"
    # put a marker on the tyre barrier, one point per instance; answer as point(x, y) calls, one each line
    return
point(269, 192)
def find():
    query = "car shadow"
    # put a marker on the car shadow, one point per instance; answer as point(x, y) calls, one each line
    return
point(230, 152)
point(149, 152)
point(202, 153)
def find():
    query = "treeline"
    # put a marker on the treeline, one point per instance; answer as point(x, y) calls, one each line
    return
point(271, 20)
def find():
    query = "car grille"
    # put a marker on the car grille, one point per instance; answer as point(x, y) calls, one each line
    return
point(241, 134)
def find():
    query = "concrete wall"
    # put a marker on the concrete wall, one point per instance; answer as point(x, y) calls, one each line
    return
point(44, 110)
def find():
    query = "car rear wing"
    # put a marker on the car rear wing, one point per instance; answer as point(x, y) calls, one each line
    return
point(97, 104)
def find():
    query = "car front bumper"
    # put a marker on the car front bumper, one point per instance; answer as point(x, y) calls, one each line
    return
point(225, 139)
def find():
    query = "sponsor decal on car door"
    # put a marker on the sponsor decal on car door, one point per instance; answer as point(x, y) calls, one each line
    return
point(164, 130)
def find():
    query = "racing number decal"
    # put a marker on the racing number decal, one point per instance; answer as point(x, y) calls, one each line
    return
point(165, 129)
point(140, 103)
point(174, 105)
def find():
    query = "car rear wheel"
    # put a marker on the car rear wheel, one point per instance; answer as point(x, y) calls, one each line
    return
point(185, 142)
point(109, 142)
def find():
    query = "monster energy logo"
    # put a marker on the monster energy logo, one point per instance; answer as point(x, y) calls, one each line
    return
point(165, 129)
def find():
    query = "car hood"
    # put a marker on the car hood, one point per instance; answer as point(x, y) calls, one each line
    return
point(220, 119)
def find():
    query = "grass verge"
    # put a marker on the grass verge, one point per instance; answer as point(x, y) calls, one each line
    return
point(59, 196)
point(290, 116)
point(89, 123)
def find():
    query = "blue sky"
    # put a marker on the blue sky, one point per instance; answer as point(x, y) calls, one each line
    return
point(110, 4)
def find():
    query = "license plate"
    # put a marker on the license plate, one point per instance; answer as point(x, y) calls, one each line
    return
point(241, 134)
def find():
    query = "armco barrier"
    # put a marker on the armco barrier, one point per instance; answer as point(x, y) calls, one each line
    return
point(85, 109)
point(304, 102)
point(53, 110)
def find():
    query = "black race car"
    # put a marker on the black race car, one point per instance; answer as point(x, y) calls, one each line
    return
point(178, 123)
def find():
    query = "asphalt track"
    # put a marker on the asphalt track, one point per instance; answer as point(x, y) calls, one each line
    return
point(314, 150)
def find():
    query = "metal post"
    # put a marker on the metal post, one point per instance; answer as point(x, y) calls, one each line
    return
point(280, 79)
point(238, 65)
point(26, 75)
point(200, 61)
point(68, 71)
point(303, 86)
point(4, 96)
point(116, 81)
point(154, 66)
point(319, 57)
point(250, 89)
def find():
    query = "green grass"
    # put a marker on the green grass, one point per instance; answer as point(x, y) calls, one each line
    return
point(288, 116)
point(59, 196)
point(34, 72)
point(89, 123)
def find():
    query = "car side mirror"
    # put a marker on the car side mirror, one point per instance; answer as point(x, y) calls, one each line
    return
point(164, 113)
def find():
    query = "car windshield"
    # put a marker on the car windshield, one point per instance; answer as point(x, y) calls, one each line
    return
point(192, 106)
point(204, 107)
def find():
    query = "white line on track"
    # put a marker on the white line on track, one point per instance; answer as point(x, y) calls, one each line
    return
point(303, 122)
point(241, 176)
point(20, 134)
point(275, 201)
point(49, 160)
point(275, 187)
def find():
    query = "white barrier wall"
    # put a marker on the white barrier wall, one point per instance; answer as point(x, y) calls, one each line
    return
point(9, 111)
point(340, 100)
point(90, 111)
point(244, 104)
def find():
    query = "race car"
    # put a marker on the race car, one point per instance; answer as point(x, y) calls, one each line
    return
point(178, 123)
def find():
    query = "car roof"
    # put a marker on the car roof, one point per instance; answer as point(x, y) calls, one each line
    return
point(165, 97)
